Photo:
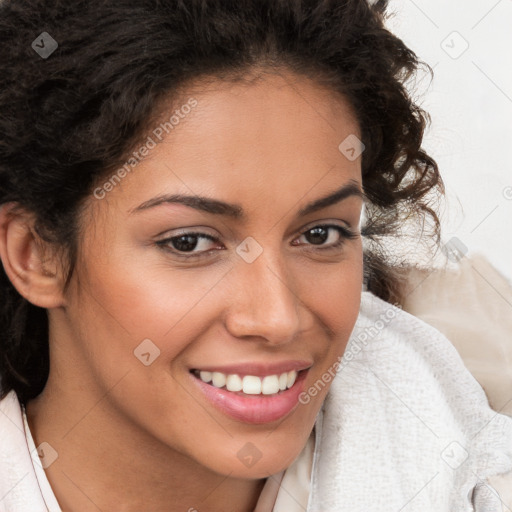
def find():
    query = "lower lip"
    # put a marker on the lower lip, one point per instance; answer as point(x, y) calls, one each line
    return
point(254, 408)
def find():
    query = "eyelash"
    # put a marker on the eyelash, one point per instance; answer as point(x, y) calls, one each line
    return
point(345, 234)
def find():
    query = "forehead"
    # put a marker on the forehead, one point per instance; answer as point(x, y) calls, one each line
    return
point(274, 137)
point(293, 114)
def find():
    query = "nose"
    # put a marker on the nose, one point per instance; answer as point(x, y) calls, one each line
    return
point(263, 303)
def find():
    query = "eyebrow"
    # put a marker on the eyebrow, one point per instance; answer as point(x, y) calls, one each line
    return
point(235, 211)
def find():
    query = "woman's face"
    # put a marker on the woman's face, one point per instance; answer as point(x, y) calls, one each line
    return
point(216, 254)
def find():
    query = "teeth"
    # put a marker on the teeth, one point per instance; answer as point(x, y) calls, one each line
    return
point(218, 379)
point(206, 376)
point(251, 385)
point(283, 379)
point(270, 385)
point(234, 383)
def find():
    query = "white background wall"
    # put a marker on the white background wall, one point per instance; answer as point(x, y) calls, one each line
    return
point(470, 102)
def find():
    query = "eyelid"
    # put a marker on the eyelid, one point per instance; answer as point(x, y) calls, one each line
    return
point(195, 230)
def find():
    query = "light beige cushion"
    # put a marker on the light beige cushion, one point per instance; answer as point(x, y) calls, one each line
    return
point(471, 304)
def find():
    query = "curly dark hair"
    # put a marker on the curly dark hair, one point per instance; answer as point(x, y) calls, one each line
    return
point(68, 119)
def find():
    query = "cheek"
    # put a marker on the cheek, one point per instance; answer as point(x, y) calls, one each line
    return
point(333, 294)
point(334, 298)
point(134, 322)
point(147, 301)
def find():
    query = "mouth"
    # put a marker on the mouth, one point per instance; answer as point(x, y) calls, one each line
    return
point(267, 385)
point(250, 398)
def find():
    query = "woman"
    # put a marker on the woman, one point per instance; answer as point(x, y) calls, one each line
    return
point(182, 186)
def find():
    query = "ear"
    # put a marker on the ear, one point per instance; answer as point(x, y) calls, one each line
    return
point(29, 262)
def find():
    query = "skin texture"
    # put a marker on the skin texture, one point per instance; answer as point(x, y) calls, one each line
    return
point(133, 437)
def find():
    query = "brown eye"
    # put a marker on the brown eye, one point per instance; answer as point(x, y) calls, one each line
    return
point(195, 244)
point(185, 243)
point(328, 236)
point(317, 236)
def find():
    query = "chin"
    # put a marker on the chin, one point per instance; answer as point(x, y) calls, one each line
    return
point(256, 457)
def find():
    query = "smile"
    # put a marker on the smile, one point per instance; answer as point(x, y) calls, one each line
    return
point(251, 398)
point(249, 384)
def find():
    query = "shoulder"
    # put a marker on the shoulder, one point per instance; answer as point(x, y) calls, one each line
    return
point(11, 424)
point(18, 483)
point(409, 411)
point(420, 364)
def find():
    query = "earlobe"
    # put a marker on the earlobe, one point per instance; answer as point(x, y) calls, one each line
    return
point(25, 259)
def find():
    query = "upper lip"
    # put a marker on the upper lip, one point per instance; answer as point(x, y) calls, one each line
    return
point(257, 369)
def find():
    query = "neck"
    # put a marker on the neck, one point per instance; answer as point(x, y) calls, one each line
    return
point(104, 463)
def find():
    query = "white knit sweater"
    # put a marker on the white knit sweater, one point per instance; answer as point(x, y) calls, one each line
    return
point(405, 427)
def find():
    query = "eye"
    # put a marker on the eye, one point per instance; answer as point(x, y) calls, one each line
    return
point(328, 236)
point(193, 244)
